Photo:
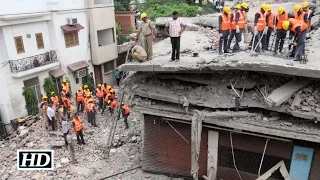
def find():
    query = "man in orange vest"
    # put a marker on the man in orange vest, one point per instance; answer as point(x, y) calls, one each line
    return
point(125, 113)
point(270, 20)
point(299, 14)
point(54, 99)
point(260, 28)
point(113, 105)
point(309, 12)
point(86, 89)
point(77, 126)
point(67, 105)
point(281, 33)
point(66, 85)
point(105, 90)
point(99, 94)
point(300, 29)
point(106, 99)
point(79, 99)
point(237, 19)
point(224, 29)
point(92, 113)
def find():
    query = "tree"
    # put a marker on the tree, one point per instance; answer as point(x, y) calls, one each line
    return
point(122, 5)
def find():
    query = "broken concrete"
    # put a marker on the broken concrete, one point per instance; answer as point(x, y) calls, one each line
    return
point(283, 93)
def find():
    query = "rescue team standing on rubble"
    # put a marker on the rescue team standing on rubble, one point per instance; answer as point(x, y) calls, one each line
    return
point(55, 116)
point(232, 24)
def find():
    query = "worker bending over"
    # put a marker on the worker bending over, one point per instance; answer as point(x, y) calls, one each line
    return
point(113, 105)
point(125, 113)
point(281, 33)
point(299, 29)
point(106, 99)
point(224, 29)
point(270, 18)
point(235, 28)
point(138, 53)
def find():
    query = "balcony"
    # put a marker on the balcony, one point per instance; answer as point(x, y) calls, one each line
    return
point(34, 64)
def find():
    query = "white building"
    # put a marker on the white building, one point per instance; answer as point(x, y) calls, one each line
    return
point(37, 41)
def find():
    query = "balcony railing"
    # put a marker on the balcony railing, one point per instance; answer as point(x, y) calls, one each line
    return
point(33, 61)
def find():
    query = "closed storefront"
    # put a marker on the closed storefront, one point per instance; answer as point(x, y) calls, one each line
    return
point(165, 151)
point(248, 152)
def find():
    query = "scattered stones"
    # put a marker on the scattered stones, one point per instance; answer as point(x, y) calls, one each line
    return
point(89, 131)
point(64, 161)
point(287, 123)
point(30, 145)
point(265, 119)
point(82, 170)
point(57, 143)
point(38, 176)
point(113, 150)
point(318, 110)
point(296, 102)
point(306, 108)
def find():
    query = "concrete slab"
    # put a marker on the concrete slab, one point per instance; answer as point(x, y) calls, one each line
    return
point(283, 93)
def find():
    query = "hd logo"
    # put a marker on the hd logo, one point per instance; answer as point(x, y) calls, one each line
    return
point(35, 159)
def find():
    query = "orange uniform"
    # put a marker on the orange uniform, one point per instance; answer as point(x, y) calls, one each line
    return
point(241, 21)
point(296, 23)
point(66, 86)
point(77, 124)
point(79, 96)
point(99, 92)
point(55, 100)
point(281, 19)
point(261, 24)
point(125, 109)
point(225, 23)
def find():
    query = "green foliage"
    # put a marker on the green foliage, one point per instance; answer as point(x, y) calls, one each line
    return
point(48, 86)
point(121, 5)
point(165, 10)
point(121, 37)
point(31, 101)
point(86, 80)
point(131, 29)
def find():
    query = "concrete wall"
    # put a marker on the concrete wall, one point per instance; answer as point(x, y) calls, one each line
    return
point(3, 48)
point(30, 45)
point(72, 54)
point(22, 6)
point(126, 19)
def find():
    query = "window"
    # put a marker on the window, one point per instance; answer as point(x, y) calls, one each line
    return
point(102, 1)
point(71, 39)
point(33, 84)
point(108, 67)
point(19, 44)
point(39, 40)
point(105, 37)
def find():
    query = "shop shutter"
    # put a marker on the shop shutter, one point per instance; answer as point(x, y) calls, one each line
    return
point(315, 166)
point(166, 152)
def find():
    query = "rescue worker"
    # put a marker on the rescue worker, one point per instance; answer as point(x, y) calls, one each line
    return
point(79, 100)
point(86, 103)
point(92, 113)
point(237, 19)
point(105, 90)
point(224, 29)
point(99, 94)
point(245, 10)
point(270, 18)
point(125, 113)
point(106, 99)
point(305, 8)
point(113, 105)
point(281, 33)
point(66, 86)
point(86, 89)
point(44, 107)
point(138, 53)
point(77, 126)
point(54, 99)
point(112, 95)
point(259, 29)
point(299, 14)
point(300, 30)
point(148, 30)
point(66, 106)
point(63, 92)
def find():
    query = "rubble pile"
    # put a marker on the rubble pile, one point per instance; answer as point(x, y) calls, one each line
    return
point(125, 154)
point(211, 33)
point(307, 99)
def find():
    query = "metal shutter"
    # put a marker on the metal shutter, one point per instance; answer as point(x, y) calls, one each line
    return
point(315, 166)
point(166, 152)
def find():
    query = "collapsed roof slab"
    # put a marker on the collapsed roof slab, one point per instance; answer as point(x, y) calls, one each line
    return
point(274, 128)
point(206, 63)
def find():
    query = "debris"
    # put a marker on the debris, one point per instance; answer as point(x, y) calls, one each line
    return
point(82, 170)
point(287, 123)
point(64, 161)
point(283, 93)
point(89, 131)
point(113, 150)
point(306, 108)
point(29, 144)
point(265, 119)
point(38, 176)
point(57, 143)
point(296, 102)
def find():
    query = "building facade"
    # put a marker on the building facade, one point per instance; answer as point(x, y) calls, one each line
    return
point(47, 38)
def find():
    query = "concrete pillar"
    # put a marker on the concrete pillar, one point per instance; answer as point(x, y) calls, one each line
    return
point(213, 142)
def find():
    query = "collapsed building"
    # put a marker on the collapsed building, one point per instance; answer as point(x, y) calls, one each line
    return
point(228, 117)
